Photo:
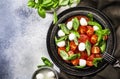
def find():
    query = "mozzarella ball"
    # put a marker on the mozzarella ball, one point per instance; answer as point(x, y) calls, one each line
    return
point(95, 28)
point(61, 33)
point(71, 36)
point(39, 76)
point(81, 46)
point(82, 62)
point(69, 25)
point(51, 74)
point(61, 44)
point(83, 22)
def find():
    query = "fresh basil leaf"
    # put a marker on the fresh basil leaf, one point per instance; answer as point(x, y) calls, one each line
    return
point(80, 67)
point(64, 28)
point(63, 54)
point(55, 18)
point(90, 16)
point(40, 1)
point(60, 39)
point(96, 61)
point(103, 46)
point(76, 41)
point(41, 12)
point(75, 24)
point(47, 62)
point(93, 23)
point(46, 2)
point(63, 2)
point(67, 46)
point(72, 57)
point(56, 4)
point(76, 33)
point(88, 47)
point(48, 6)
point(31, 4)
point(106, 32)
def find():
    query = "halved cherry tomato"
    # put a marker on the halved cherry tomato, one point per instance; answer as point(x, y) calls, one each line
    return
point(73, 46)
point(94, 39)
point(61, 48)
point(75, 62)
point(90, 31)
point(91, 57)
point(89, 63)
point(95, 50)
point(70, 53)
point(82, 29)
point(83, 55)
point(105, 37)
point(83, 38)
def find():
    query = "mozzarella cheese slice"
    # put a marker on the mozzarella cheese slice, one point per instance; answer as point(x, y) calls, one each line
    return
point(71, 36)
point(69, 25)
point(82, 62)
point(81, 46)
point(83, 22)
point(61, 44)
point(95, 28)
point(61, 33)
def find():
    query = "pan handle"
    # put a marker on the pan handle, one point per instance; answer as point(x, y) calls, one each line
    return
point(111, 60)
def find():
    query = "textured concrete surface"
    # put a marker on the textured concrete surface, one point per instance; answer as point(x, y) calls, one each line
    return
point(22, 39)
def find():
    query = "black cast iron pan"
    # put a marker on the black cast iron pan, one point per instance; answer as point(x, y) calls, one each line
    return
point(111, 43)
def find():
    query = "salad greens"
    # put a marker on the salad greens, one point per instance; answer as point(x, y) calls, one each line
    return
point(88, 47)
point(75, 23)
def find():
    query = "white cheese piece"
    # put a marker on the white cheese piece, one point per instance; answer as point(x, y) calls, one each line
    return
point(71, 36)
point(83, 22)
point(81, 46)
point(82, 62)
point(69, 25)
point(50, 74)
point(61, 44)
point(39, 76)
point(61, 33)
point(95, 28)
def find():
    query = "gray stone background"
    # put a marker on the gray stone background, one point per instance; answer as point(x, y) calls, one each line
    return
point(22, 39)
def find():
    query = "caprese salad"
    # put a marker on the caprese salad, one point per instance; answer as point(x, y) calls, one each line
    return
point(81, 40)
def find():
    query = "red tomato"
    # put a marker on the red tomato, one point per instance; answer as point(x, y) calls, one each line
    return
point(61, 48)
point(70, 53)
point(73, 46)
point(82, 29)
point(84, 55)
point(89, 63)
point(98, 55)
point(90, 31)
point(94, 39)
point(91, 57)
point(95, 50)
point(83, 38)
point(105, 37)
point(75, 62)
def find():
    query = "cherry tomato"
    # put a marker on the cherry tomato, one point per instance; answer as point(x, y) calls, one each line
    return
point(73, 46)
point(90, 31)
point(84, 55)
point(61, 48)
point(91, 57)
point(95, 50)
point(75, 62)
point(105, 37)
point(94, 39)
point(82, 29)
point(70, 53)
point(83, 38)
point(89, 63)
point(98, 55)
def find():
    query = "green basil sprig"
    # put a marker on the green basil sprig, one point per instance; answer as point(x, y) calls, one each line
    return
point(64, 28)
point(88, 47)
point(75, 23)
point(96, 61)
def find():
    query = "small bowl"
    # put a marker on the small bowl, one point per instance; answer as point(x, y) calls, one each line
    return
point(40, 70)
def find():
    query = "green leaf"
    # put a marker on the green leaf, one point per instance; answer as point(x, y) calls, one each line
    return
point(64, 28)
point(60, 39)
point(88, 47)
point(48, 6)
point(67, 46)
point(72, 57)
point(31, 4)
point(46, 2)
point(47, 62)
point(76, 33)
point(55, 18)
point(63, 54)
point(96, 61)
point(90, 16)
point(103, 46)
point(76, 41)
point(80, 67)
point(63, 2)
point(75, 24)
point(41, 12)
point(106, 32)
point(93, 23)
